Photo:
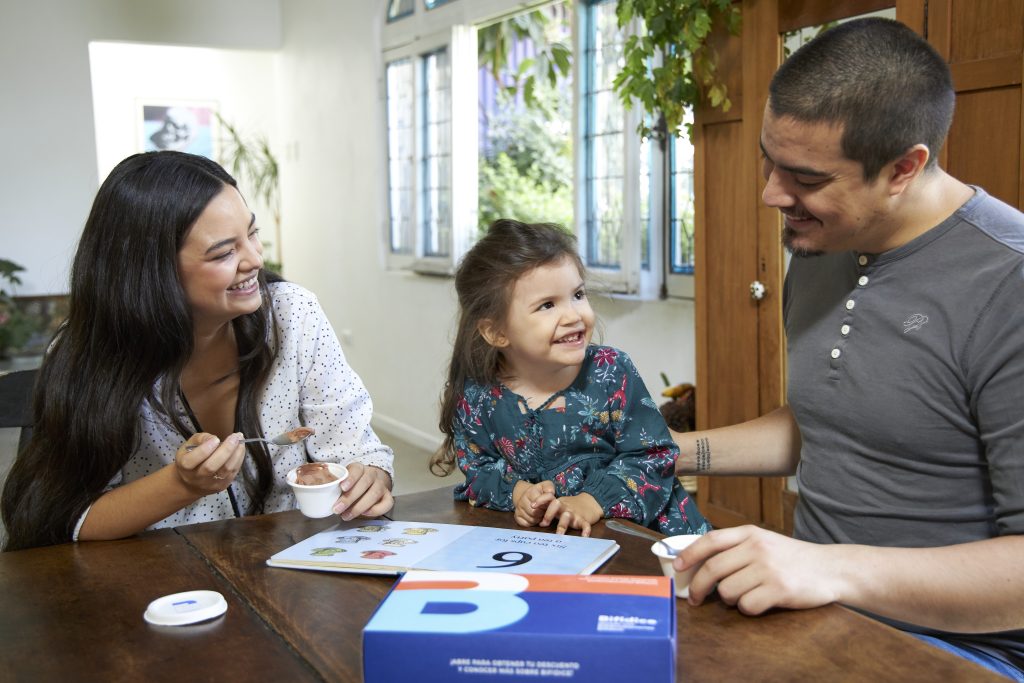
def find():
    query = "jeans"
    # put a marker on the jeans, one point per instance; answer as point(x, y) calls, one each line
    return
point(986, 660)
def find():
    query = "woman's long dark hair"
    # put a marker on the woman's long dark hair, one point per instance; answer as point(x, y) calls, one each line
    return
point(129, 330)
point(484, 282)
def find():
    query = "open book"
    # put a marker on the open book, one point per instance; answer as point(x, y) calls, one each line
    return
point(381, 546)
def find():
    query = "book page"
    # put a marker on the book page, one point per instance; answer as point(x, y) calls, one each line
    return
point(376, 545)
point(533, 552)
point(393, 547)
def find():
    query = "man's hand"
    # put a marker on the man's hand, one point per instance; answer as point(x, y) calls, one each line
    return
point(756, 570)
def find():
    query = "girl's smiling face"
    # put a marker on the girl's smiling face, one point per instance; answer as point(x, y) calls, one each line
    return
point(219, 260)
point(549, 322)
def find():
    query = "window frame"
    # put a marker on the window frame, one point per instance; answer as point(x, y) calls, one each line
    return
point(679, 285)
point(399, 258)
point(453, 24)
point(633, 278)
point(460, 42)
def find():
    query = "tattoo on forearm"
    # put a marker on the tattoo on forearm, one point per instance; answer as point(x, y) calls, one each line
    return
point(703, 455)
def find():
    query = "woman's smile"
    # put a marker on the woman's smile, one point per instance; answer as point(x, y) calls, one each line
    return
point(246, 287)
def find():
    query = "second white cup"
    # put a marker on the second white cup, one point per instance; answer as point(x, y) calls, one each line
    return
point(682, 579)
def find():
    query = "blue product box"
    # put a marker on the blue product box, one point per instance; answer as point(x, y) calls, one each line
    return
point(478, 627)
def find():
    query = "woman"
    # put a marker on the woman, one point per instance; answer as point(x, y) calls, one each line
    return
point(176, 344)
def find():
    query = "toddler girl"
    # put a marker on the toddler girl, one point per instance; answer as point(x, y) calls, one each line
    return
point(541, 422)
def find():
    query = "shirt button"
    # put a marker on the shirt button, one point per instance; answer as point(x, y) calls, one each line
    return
point(845, 329)
point(862, 280)
point(836, 353)
point(862, 260)
point(850, 304)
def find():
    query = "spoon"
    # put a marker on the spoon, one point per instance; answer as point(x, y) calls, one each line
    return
point(619, 526)
point(289, 438)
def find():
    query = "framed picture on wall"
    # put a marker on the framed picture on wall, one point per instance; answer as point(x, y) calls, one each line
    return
point(180, 126)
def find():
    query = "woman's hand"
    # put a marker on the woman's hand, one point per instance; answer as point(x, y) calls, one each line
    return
point(573, 512)
point(365, 492)
point(531, 501)
point(211, 465)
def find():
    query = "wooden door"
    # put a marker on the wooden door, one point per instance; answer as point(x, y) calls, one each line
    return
point(983, 41)
point(740, 341)
point(739, 353)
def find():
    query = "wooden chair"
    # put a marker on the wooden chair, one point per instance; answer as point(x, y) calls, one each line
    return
point(16, 403)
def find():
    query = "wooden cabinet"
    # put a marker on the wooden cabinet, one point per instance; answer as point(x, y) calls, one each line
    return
point(740, 340)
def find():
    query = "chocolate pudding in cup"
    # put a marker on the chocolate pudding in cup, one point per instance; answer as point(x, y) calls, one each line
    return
point(317, 487)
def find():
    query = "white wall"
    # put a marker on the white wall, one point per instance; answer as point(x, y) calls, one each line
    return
point(46, 113)
point(395, 327)
point(240, 84)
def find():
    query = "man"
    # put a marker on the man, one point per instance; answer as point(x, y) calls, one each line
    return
point(904, 312)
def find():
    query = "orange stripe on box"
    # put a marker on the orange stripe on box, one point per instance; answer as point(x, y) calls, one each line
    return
point(435, 585)
point(654, 586)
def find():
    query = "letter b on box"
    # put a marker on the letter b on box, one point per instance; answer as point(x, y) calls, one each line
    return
point(482, 602)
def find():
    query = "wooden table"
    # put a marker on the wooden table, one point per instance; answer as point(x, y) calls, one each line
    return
point(74, 613)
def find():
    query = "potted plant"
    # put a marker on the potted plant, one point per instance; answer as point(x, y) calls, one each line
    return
point(253, 163)
point(16, 326)
point(670, 66)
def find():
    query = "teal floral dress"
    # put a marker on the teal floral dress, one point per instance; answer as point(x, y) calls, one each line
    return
point(609, 440)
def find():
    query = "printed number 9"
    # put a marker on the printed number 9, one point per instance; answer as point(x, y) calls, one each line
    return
point(509, 558)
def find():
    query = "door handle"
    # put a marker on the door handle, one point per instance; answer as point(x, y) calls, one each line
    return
point(757, 290)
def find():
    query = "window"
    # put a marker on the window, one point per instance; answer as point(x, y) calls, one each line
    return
point(401, 155)
point(630, 187)
point(429, 207)
point(604, 153)
point(399, 8)
point(629, 200)
point(526, 117)
point(436, 153)
point(681, 206)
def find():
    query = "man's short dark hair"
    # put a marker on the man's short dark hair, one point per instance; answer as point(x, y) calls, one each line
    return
point(884, 84)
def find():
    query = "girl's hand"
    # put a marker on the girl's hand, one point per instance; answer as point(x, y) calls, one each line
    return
point(573, 512)
point(366, 492)
point(531, 501)
point(211, 465)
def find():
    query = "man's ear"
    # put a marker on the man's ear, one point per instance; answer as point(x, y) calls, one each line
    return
point(908, 166)
point(491, 333)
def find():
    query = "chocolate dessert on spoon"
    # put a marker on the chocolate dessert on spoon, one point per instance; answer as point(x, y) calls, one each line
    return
point(289, 438)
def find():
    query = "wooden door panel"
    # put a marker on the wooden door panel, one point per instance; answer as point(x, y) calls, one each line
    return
point(731, 260)
point(984, 142)
point(794, 14)
point(986, 29)
point(983, 41)
point(731, 375)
